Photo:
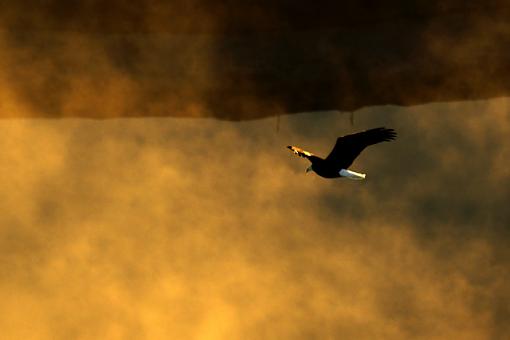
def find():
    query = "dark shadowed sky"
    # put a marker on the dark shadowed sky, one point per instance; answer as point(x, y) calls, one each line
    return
point(157, 228)
point(245, 60)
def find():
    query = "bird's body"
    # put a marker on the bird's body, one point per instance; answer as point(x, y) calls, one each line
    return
point(345, 151)
point(325, 168)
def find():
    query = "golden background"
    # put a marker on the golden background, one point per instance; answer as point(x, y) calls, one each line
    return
point(178, 228)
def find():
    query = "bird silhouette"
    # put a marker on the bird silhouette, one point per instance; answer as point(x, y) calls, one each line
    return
point(345, 151)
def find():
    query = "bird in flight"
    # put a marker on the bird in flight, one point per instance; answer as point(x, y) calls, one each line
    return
point(345, 151)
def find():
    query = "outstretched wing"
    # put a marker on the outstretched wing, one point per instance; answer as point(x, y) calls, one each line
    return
point(347, 148)
point(302, 153)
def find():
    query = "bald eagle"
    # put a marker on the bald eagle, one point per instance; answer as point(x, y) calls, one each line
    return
point(345, 151)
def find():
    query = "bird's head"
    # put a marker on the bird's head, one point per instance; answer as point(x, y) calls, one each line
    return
point(309, 169)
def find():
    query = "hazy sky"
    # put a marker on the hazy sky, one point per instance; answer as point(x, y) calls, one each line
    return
point(202, 229)
point(194, 228)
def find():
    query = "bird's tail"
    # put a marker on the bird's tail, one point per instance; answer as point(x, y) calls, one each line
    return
point(352, 174)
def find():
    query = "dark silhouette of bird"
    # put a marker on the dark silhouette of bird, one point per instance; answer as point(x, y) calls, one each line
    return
point(345, 151)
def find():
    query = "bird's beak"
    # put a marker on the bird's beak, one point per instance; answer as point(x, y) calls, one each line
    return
point(308, 169)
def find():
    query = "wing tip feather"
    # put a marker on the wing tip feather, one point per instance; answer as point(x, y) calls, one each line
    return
point(389, 134)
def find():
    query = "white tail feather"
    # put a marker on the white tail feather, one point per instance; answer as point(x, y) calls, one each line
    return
point(352, 174)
